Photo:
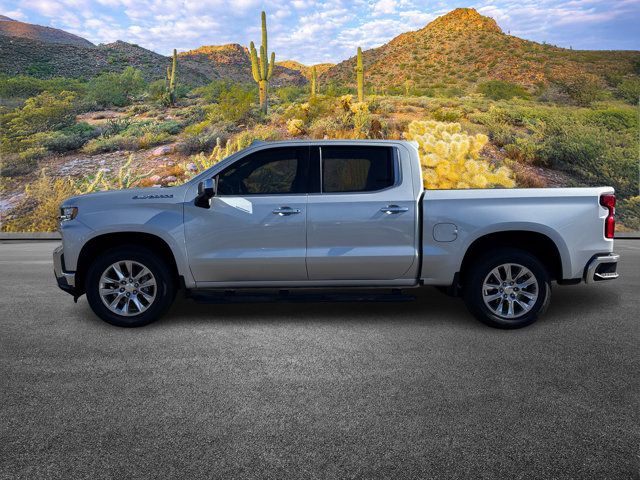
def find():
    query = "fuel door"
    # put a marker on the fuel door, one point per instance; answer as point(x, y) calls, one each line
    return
point(445, 232)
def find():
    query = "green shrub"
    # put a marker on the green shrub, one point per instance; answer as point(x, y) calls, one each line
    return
point(234, 105)
point(212, 91)
point(123, 134)
point(582, 90)
point(115, 89)
point(614, 118)
point(446, 114)
point(291, 93)
point(628, 211)
point(42, 113)
point(24, 86)
point(629, 90)
point(523, 150)
point(70, 138)
point(500, 90)
point(156, 91)
point(569, 145)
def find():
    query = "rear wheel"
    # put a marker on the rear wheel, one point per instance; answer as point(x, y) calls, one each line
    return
point(129, 286)
point(507, 288)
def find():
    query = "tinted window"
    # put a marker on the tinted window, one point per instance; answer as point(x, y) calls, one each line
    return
point(356, 169)
point(267, 172)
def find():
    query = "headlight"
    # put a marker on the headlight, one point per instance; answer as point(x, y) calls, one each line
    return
point(68, 213)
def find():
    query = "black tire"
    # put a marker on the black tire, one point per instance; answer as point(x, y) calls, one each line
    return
point(473, 289)
point(165, 286)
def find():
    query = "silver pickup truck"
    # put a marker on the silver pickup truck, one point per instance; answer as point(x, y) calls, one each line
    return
point(331, 214)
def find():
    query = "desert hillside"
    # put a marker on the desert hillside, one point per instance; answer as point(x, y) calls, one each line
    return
point(463, 48)
point(13, 28)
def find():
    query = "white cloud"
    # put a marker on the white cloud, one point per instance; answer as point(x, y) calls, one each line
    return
point(314, 31)
point(384, 7)
point(15, 14)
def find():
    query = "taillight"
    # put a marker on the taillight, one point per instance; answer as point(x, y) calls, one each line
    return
point(609, 202)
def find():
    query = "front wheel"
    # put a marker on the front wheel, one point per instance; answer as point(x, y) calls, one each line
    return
point(507, 288)
point(129, 286)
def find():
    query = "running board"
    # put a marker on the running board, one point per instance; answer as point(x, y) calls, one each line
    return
point(287, 296)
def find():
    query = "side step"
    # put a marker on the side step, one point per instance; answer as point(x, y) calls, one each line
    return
point(289, 296)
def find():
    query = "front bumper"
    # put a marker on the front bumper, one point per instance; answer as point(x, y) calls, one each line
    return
point(602, 267)
point(66, 280)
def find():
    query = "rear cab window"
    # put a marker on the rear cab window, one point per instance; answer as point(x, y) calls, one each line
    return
point(356, 169)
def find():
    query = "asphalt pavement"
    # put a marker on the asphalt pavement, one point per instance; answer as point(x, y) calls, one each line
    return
point(317, 390)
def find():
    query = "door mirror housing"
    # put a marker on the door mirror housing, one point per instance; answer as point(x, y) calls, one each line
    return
point(206, 191)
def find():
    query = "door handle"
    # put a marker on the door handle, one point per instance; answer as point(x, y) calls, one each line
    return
point(284, 211)
point(393, 209)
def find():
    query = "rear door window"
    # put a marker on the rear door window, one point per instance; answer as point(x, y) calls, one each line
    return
point(356, 169)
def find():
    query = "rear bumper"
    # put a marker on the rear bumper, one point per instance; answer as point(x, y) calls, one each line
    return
point(66, 280)
point(602, 267)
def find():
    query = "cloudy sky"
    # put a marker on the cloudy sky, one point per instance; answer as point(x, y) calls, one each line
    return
point(330, 31)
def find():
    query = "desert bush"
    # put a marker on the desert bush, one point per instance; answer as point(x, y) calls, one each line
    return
point(39, 210)
point(126, 177)
point(324, 127)
point(156, 91)
point(295, 127)
point(212, 91)
point(446, 114)
point(361, 119)
point(581, 90)
point(451, 158)
point(500, 90)
point(628, 212)
point(115, 89)
point(69, 138)
point(291, 93)
point(629, 90)
point(522, 150)
point(43, 113)
point(24, 86)
point(614, 118)
point(123, 134)
point(234, 105)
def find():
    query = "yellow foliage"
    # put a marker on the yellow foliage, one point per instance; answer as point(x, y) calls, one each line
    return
point(103, 180)
point(451, 158)
point(345, 102)
point(295, 127)
point(43, 196)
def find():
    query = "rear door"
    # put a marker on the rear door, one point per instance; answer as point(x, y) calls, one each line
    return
point(361, 225)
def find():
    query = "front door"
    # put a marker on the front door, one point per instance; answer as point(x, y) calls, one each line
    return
point(362, 224)
point(255, 230)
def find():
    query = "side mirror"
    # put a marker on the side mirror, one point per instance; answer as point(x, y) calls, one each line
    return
point(206, 191)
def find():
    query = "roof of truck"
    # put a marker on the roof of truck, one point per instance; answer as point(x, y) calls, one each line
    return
point(328, 141)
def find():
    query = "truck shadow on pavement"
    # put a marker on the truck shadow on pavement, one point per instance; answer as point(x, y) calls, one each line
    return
point(430, 307)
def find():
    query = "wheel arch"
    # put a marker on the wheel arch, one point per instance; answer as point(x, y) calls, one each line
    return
point(103, 242)
point(536, 243)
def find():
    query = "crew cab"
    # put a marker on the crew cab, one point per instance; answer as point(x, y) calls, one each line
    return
point(331, 214)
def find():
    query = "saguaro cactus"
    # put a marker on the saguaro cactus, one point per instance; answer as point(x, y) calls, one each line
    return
point(261, 68)
point(314, 78)
point(360, 76)
point(172, 79)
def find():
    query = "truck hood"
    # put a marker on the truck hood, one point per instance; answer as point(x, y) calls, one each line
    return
point(132, 196)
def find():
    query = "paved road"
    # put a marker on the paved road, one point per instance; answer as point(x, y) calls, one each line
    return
point(351, 390)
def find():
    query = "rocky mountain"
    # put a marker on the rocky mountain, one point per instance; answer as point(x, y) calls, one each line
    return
point(233, 62)
point(463, 48)
point(48, 52)
point(42, 59)
point(13, 28)
point(305, 70)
